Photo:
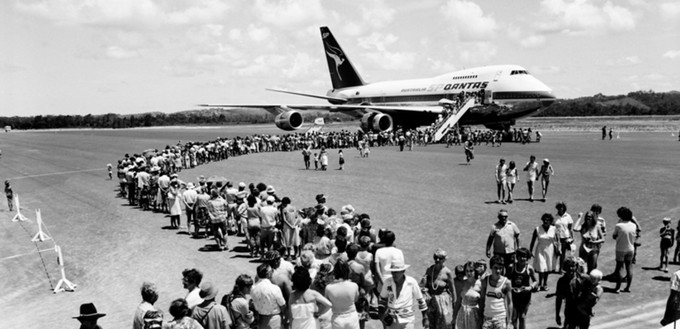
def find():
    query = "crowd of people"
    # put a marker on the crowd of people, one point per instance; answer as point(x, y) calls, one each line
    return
point(339, 272)
point(506, 178)
point(324, 269)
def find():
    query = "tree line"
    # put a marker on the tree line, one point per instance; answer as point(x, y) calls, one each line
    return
point(634, 103)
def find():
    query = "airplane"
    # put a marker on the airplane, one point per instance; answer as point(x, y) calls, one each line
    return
point(509, 93)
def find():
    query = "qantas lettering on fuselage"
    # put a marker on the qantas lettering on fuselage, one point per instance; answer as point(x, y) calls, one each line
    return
point(449, 86)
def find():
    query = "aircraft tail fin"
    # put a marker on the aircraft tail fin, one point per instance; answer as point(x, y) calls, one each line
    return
point(341, 69)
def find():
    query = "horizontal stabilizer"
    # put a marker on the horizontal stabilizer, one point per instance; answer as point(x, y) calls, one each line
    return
point(334, 100)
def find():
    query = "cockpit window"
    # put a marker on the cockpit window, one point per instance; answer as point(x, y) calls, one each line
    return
point(514, 72)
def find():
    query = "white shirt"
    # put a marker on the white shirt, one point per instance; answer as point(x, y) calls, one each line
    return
point(384, 258)
point(562, 225)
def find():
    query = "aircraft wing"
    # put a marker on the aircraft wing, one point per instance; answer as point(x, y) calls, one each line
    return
point(357, 110)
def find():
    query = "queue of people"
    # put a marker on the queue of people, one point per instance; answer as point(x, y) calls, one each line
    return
point(322, 269)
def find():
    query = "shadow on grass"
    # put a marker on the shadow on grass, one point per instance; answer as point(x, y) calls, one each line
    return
point(183, 233)
point(210, 248)
point(168, 227)
point(661, 278)
point(243, 249)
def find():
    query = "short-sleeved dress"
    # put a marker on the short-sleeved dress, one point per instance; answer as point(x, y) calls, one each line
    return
point(545, 260)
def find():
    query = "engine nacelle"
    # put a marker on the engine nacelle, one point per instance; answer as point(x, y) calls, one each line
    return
point(289, 120)
point(375, 121)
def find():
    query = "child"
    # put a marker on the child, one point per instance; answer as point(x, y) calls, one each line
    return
point(667, 234)
point(316, 162)
point(590, 294)
point(110, 169)
point(10, 195)
point(341, 159)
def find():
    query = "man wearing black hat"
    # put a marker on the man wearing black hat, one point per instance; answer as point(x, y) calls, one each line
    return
point(88, 316)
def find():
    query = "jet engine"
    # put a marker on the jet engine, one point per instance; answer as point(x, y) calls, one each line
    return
point(289, 120)
point(376, 121)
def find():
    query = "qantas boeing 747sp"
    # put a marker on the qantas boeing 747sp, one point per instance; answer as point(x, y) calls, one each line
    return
point(509, 93)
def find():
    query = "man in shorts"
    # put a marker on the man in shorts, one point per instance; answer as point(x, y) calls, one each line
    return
point(504, 238)
point(532, 173)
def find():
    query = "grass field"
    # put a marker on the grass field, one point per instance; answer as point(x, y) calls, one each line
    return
point(427, 196)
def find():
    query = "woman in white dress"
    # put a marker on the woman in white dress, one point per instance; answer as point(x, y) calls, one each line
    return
point(545, 240)
point(467, 305)
point(174, 203)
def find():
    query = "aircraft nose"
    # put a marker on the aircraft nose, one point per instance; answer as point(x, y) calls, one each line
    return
point(547, 98)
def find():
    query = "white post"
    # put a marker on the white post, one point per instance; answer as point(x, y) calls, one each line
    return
point(40, 236)
point(68, 285)
point(18, 216)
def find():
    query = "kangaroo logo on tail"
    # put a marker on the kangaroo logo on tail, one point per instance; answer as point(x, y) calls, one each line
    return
point(342, 71)
point(337, 56)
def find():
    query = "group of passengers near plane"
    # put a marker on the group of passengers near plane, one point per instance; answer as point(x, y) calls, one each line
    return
point(509, 93)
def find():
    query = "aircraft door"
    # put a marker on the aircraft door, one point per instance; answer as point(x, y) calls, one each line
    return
point(488, 98)
point(498, 75)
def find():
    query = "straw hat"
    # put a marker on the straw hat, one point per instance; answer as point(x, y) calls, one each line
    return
point(397, 266)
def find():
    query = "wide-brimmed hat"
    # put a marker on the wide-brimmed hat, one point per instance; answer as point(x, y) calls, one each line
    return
point(440, 253)
point(155, 169)
point(89, 311)
point(397, 266)
point(208, 291)
point(190, 185)
point(546, 160)
point(270, 189)
point(666, 220)
point(242, 184)
point(271, 199)
point(201, 178)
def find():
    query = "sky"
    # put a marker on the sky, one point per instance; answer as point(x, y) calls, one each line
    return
point(135, 56)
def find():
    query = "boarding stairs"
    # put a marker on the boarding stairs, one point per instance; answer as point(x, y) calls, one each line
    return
point(451, 119)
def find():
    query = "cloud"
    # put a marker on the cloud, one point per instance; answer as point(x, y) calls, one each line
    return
point(478, 52)
point(258, 34)
point(672, 54)
point(125, 13)
point(301, 66)
point(468, 21)
point(289, 13)
point(393, 61)
point(380, 54)
point(541, 70)
point(377, 41)
point(624, 61)
point(580, 16)
point(264, 64)
point(376, 13)
point(120, 53)
point(670, 10)
point(532, 41)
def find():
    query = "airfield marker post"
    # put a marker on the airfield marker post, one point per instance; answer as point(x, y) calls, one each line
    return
point(18, 217)
point(68, 285)
point(40, 236)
